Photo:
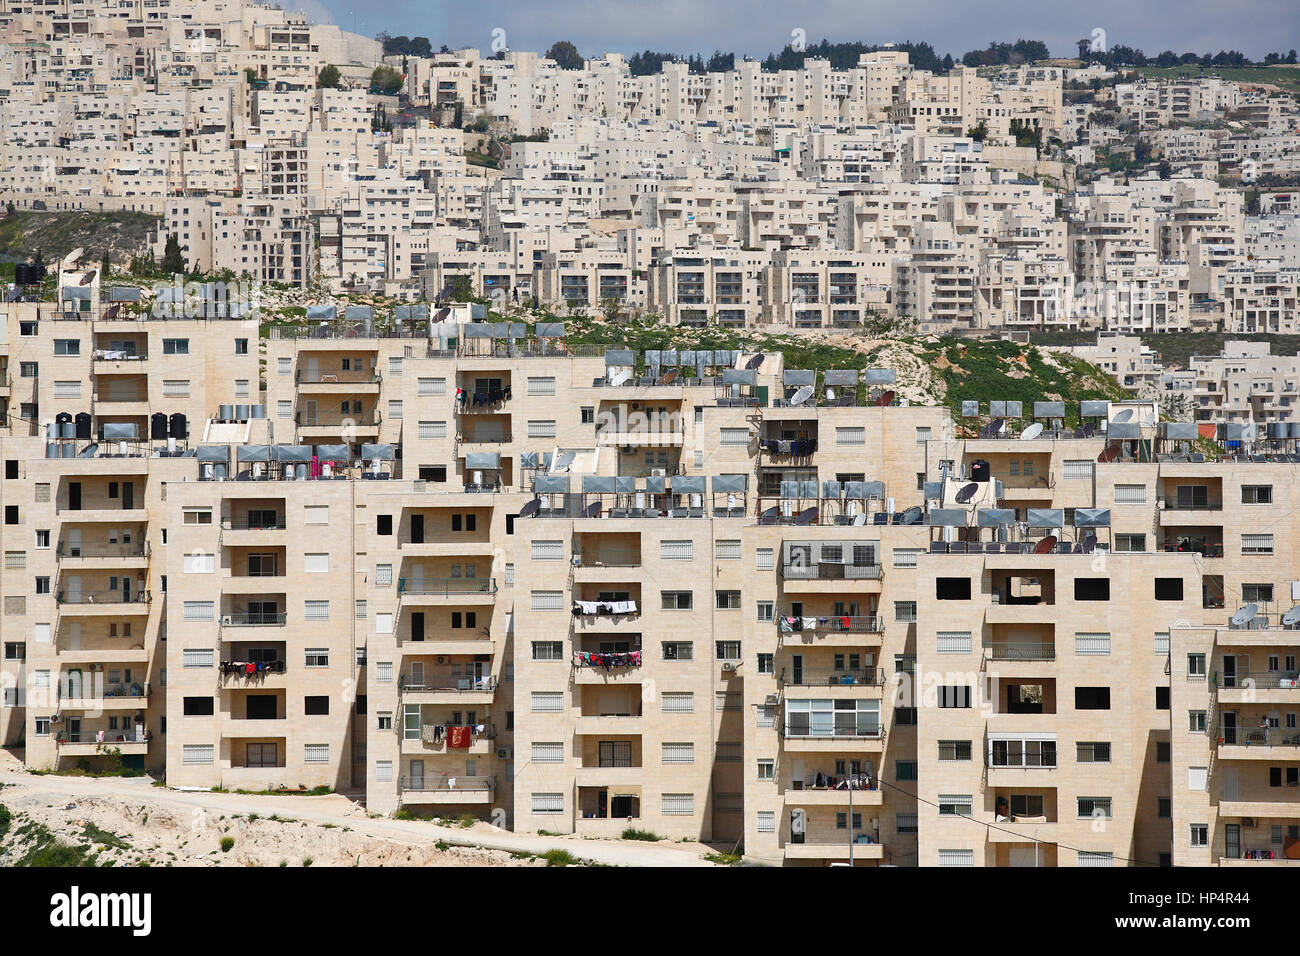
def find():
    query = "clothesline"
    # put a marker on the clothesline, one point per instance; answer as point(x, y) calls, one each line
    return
point(838, 622)
point(603, 607)
point(251, 668)
point(459, 736)
point(615, 659)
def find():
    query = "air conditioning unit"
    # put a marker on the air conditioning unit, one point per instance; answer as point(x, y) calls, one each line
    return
point(728, 666)
point(771, 700)
point(227, 620)
point(658, 472)
point(503, 753)
point(1249, 823)
point(636, 406)
point(440, 660)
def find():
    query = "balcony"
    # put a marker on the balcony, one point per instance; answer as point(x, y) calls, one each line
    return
point(814, 740)
point(455, 590)
point(433, 740)
point(92, 743)
point(102, 556)
point(252, 673)
point(447, 690)
point(254, 619)
point(103, 603)
point(830, 631)
point(839, 682)
point(448, 789)
point(826, 577)
point(1020, 651)
point(611, 725)
point(118, 697)
point(1263, 687)
point(337, 381)
point(861, 850)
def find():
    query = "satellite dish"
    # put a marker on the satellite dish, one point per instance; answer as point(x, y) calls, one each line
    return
point(670, 376)
point(1046, 545)
point(1123, 415)
point(807, 516)
point(1109, 454)
point(860, 519)
point(620, 377)
point(1244, 615)
point(1292, 617)
point(1089, 542)
point(530, 508)
point(1032, 432)
point(967, 493)
point(1249, 432)
point(830, 394)
point(911, 516)
point(1078, 433)
point(993, 428)
point(769, 515)
point(592, 510)
point(801, 395)
point(1089, 430)
point(754, 363)
point(885, 398)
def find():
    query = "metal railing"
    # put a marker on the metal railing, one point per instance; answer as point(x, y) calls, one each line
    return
point(446, 587)
point(607, 558)
point(859, 732)
point(834, 677)
point(1257, 737)
point(337, 376)
point(1020, 651)
point(832, 572)
point(457, 684)
point(447, 784)
point(1259, 680)
point(329, 419)
point(114, 692)
point(254, 619)
point(65, 550)
point(842, 623)
point(245, 523)
point(102, 597)
point(109, 737)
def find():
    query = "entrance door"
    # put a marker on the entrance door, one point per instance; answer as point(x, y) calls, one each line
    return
point(128, 495)
point(74, 730)
point(417, 529)
point(1229, 670)
point(417, 775)
point(417, 625)
point(417, 673)
point(1230, 783)
point(309, 412)
point(796, 668)
point(74, 684)
point(74, 543)
point(602, 803)
point(74, 589)
point(74, 496)
point(1232, 841)
point(313, 369)
point(1228, 727)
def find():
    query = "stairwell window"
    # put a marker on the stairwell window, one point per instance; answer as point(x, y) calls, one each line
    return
point(676, 550)
point(1076, 468)
point(1256, 544)
point(541, 385)
point(1130, 494)
point(541, 429)
point(432, 386)
point(734, 436)
point(955, 804)
point(850, 436)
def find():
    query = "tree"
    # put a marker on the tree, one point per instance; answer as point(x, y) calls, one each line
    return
point(328, 78)
point(565, 55)
point(979, 132)
point(173, 262)
point(385, 80)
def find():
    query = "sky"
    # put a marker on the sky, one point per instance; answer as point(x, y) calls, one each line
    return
point(758, 27)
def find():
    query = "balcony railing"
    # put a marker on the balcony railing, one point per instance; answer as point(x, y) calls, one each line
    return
point(337, 376)
point(1259, 680)
point(66, 550)
point(446, 587)
point(115, 692)
point(854, 732)
point(607, 661)
point(254, 619)
point(832, 572)
point(330, 419)
point(834, 677)
point(250, 670)
point(106, 737)
point(103, 597)
point(448, 784)
point(851, 624)
point(1020, 651)
point(452, 684)
point(245, 523)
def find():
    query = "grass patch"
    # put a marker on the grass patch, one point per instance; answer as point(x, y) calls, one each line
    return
point(723, 859)
point(104, 838)
point(632, 833)
point(559, 858)
point(285, 792)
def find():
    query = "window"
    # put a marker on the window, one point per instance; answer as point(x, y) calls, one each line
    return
point(1092, 751)
point(547, 600)
point(953, 642)
point(1025, 752)
point(394, 408)
point(547, 702)
point(1169, 589)
point(764, 559)
point(678, 804)
point(432, 430)
point(1198, 778)
point(316, 753)
point(676, 550)
point(383, 524)
point(196, 754)
point(198, 610)
point(1257, 593)
point(677, 600)
point(959, 804)
point(906, 557)
point(315, 563)
point(1130, 494)
point(67, 389)
point(196, 515)
point(905, 771)
point(316, 657)
point(953, 696)
point(383, 575)
point(384, 720)
point(548, 650)
point(1130, 543)
point(383, 771)
point(1094, 807)
point(1162, 751)
point(905, 612)
point(727, 600)
point(922, 436)
point(1256, 544)
point(1196, 721)
point(200, 563)
point(765, 611)
point(954, 750)
point(176, 346)
point(952, 589)
point(956, 857)
point(548, 803)
point(588, 415)
point(241, 346)
point(726, 550)
point(1196, 666)
point(28, 370)
point(678, 753)
point(548, 550)
point(316, 610)
point(197, 657)
point(766, 821)
point(1200, 834)
point(677, 702)
point(1076, 468)
point(907, 823)
point(176, 388)
point(284, 365)
point(728, 650)
point(1164, 808)
point(541, 385)
point(850, 436)
point(733, 436)
point(1090, 858)
point(197, 706)
point(432, 386)
point(678, 650)
point(541, 429)
point(1092, 589)
point(1256, 494)
point(383, 622)
point(1160, 645)
point(1091, 644)
point(1092, 698)
point(67, 346)
point(548, 752)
